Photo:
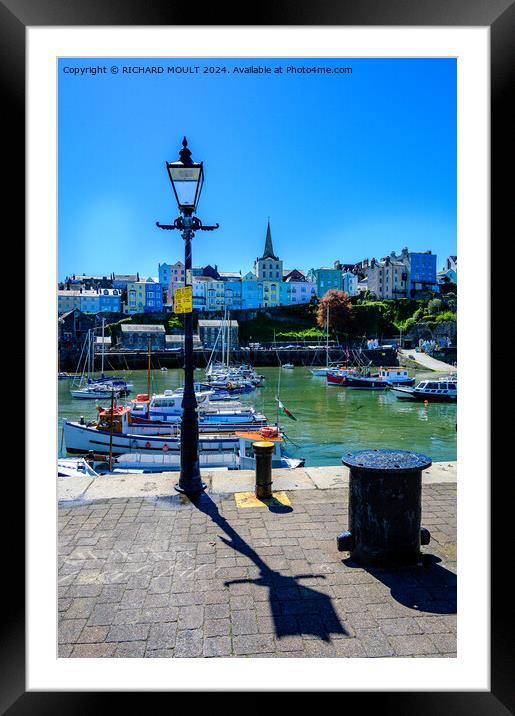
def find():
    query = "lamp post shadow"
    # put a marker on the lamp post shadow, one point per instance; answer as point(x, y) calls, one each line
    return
point(296, 609)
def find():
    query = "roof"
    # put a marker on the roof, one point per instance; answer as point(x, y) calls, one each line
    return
point(87, 294)
point(208, 323)
point(136, 328)
point(230, 274)
point(179, 338)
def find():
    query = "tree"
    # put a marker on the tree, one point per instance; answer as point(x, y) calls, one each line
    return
point(340, 310)
point(434, 306)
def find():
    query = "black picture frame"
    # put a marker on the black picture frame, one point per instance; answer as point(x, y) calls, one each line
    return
point(499, 16)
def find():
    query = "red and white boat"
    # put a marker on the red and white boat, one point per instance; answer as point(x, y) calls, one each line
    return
point(340, 376)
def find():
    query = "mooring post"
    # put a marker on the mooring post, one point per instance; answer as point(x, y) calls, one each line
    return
point(385, 490)
point(263, 453)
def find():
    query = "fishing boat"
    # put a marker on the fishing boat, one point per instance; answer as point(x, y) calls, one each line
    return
point(396, 376)
point(340, 376)
point(443, 390)
point(150, 424)
point(155, 453)
point(367, 382)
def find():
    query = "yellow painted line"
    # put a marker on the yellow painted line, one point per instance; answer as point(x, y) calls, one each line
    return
point(249, 499)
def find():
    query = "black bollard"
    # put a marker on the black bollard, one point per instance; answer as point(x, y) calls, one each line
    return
point(263, 453)
point(385, 492)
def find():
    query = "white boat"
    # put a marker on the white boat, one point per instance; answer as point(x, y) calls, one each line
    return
point(321, 371)
point(96, 392)
point(288, 366)
point(440, 390)
point(75, 467)
point(158, 453)
point(93, 388)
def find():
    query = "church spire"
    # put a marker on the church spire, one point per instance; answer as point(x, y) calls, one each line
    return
point(269, 249)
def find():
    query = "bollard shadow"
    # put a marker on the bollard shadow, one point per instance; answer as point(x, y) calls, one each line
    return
point(296, 609)
point(428, 587)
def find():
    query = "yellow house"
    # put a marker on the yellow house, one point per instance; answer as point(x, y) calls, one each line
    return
point(271, 293)
point(136, 297)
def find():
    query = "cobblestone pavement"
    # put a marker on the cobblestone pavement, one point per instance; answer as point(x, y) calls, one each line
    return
point(163, 577)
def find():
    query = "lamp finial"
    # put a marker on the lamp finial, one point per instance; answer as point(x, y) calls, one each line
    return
point(185, 153)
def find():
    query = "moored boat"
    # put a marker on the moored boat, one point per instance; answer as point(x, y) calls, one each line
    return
point(443, 390)
point(365, 382)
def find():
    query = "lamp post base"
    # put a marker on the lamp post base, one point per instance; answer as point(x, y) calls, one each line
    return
point(192, 489)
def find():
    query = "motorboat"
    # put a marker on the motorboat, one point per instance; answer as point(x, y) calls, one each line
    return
point(396, 376)
point(441, 390)
point(288, 366)
point(368, 382)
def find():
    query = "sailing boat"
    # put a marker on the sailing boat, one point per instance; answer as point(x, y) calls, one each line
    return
point(327, 369)
point(97, 388)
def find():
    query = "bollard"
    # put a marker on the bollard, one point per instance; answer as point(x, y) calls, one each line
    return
point(385, 490)
point(263, 453)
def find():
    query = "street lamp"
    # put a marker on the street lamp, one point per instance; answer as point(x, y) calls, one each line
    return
point(187, 178)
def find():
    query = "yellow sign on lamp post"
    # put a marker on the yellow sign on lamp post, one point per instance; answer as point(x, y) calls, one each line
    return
point(183, 300)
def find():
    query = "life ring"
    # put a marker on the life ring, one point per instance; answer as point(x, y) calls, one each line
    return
point(269, 432)
point(148, 444)
point(165, 447)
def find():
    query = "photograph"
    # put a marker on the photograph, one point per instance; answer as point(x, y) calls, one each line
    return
point(257, 357)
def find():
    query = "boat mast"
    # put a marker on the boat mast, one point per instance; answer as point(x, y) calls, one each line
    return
point(111, 432)
point(149, 343)
point(223, 339)
point(228, 337)
point(89, 355)
point(103, 326)
point(327, 338)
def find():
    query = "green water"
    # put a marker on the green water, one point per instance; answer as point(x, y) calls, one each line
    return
point(331, 420)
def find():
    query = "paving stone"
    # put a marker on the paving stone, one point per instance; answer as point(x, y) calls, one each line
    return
point(93, 651)
point(445, 643)
point(162, 636)
point(133, 649)
point(411, 644)
point(189, 643)
point(253, 644)
point(400, 626)
point(128, 632)
point(375, 643)
point(191, 617)
point(244, 622)
point(92, 635)
point(69, 630)
point(217, 627)
point(217, 646)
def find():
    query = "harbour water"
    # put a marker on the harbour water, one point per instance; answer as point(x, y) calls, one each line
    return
point(330, 420)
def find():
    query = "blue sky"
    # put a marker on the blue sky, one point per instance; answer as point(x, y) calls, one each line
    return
point(347, 166)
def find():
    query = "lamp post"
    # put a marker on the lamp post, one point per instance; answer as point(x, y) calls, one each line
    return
point(187, 178)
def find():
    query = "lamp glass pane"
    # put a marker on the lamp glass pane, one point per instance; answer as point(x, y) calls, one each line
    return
point(185, 181)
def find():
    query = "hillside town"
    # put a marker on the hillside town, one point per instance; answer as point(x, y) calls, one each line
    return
point(405, 275)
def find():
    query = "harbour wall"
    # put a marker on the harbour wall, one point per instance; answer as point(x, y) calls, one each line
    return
point(134, 360)
point(85, 489)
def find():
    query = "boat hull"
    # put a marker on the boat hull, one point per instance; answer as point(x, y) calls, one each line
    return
point(420, 396)
point(367, 384)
